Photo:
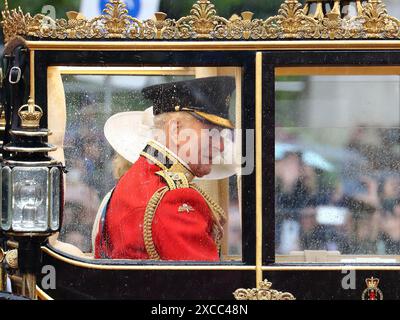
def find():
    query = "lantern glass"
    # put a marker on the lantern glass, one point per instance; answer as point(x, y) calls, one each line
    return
point(6, 198)
point(55, 198)
point(30, 199)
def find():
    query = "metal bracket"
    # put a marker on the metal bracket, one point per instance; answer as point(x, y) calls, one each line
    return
point(12, 74)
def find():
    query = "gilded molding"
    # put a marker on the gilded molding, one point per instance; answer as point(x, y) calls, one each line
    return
point(293, 21)
point(263, 293)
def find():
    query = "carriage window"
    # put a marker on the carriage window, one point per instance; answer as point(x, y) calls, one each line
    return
point(337, 152)
point(141, 182)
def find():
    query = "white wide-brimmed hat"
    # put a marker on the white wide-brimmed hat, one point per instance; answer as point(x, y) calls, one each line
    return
point(129, 132)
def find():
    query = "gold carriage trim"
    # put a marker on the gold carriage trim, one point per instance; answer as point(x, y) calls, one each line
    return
point(293, 21)
point(264, 292)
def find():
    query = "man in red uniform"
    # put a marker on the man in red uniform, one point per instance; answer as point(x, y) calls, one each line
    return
point(156, 212)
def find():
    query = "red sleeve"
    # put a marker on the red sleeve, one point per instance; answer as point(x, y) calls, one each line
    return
point(184, 235)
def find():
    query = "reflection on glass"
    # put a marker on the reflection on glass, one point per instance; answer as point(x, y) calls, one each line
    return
point(95, 167)
point(336, 168)
point(31, 205)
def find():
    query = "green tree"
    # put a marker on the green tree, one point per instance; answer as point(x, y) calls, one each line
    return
point(36, 6)
point(225, 8)
point(174, 8)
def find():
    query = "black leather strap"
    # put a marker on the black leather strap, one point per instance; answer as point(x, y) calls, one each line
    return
point(15, 89)
point(16, 82)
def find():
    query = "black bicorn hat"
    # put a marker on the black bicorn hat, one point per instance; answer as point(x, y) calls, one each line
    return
point(208, 98)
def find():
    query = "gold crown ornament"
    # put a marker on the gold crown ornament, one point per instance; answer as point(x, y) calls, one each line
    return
point(30, 115)
point(372, 283)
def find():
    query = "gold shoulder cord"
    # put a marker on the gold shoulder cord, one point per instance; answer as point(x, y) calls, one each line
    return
point(174, 181)
point(148, 222)
point(178, 181)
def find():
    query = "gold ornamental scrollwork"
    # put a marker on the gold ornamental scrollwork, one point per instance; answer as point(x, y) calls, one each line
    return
point(378, 23)
point(293, 21)
point(264, 292)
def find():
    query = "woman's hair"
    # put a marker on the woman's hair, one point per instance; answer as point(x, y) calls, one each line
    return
point(160, 124)
point(161, 119)
point(120, 166)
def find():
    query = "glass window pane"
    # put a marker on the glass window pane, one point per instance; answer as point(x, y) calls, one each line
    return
point(336, 166)
point(95, 167)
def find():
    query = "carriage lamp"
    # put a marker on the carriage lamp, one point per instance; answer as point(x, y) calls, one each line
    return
point(31, 182)
point(30, 199)
point(31, 192)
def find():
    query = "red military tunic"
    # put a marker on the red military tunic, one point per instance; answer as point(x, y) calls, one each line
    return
point(182, 225)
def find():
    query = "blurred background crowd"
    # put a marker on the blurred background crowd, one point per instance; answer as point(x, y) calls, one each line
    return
point(88, 159)
point(338, 198)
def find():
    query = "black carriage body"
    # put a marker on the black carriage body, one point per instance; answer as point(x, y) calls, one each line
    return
point(84, 279)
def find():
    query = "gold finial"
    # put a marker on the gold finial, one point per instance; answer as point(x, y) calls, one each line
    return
point(203, 14)
point(6, 5)
point(30, 115)
point(116, 18)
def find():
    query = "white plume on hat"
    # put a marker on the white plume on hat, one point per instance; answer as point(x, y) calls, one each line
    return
point(129, 132)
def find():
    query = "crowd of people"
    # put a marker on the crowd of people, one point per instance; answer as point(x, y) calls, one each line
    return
point(89, 178)
point(353, 212)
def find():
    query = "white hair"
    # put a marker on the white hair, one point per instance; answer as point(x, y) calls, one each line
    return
point(161, 120)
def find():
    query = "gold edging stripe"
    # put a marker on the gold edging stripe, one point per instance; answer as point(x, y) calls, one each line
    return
point(72, 70)
point(32, 74)
point(214, 268)
point(42, 295)
point(331, 268)
point(219, 121)
point(138, 268)
point(259, 273)
point(214, 45)
point(344, 70)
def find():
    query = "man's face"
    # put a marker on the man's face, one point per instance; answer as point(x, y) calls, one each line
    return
point(199, 144)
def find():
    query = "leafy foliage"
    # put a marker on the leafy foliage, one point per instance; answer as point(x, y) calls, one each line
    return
point(225, 8)
point(36, 6)
point(174, 8)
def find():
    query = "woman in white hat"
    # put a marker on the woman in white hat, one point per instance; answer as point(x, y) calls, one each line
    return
point(156, 211)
